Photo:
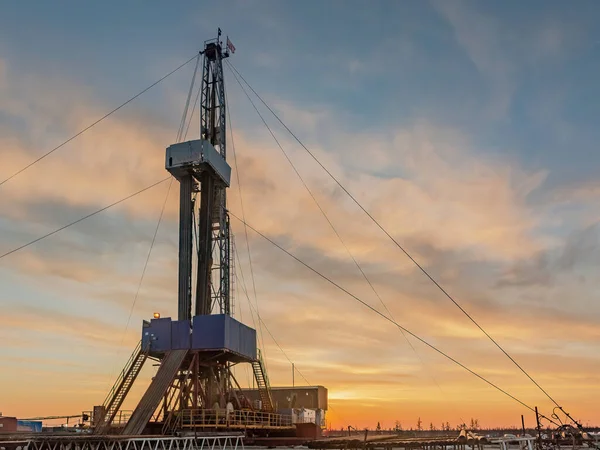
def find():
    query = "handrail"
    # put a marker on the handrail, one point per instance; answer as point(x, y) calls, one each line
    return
point(264, 369)
point(211, 418)
point(265, 377)
point(122, 374)
point(121, 418)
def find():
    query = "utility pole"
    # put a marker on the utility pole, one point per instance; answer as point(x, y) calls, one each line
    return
point(293, 374)
point(539, 429)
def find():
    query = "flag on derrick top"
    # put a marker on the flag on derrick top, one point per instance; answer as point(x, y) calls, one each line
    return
point(230, 45)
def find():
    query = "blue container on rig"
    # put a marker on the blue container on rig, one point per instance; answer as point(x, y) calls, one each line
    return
point(214, 334)
point(222, 333)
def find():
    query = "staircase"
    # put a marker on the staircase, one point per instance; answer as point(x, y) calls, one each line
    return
point(262, 381)
point(156, 391)
point(121, 388)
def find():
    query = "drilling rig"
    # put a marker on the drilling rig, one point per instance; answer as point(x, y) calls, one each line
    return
point(194, 388)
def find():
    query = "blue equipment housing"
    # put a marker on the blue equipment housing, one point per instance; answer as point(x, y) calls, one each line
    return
point(211, 334)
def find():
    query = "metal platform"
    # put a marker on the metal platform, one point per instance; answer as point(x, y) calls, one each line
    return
point(92, 442)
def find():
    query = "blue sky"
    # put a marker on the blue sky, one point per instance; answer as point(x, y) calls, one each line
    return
point(386, 63)
point(468, 128)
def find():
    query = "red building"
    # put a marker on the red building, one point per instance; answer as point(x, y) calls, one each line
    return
point(8, 424)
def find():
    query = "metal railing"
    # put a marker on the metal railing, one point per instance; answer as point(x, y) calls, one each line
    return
point(122, 375)
point(210, 418)
point(264, 370)
point(119, 420)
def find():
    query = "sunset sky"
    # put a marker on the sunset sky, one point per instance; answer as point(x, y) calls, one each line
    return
point(469, 129)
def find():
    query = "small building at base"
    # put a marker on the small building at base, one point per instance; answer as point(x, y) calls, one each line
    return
point(306, 404)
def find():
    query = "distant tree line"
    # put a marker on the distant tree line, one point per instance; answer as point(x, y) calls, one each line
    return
point(472, 425)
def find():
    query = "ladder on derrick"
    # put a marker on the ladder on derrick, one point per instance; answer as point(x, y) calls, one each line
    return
point(121, 388)
point(262, 382)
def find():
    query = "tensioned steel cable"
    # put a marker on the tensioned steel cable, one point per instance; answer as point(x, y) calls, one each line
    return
point(120, 201)
point(187, 103)
point(239, 184)
point(245, 290)
point(239, 304)
point(139, 287)
point(97, 121)
point(324, 214)
point(14, 250)
point(261, 323)
point(441, 352)
point(421, 268)
point(178, 138)
point(244, 287)
point(193, 110)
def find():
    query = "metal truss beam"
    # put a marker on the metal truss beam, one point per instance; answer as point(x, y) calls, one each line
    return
point(221, 442)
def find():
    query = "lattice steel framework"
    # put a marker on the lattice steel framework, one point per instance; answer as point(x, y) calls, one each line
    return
point(229, 442)
point(214, 250)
